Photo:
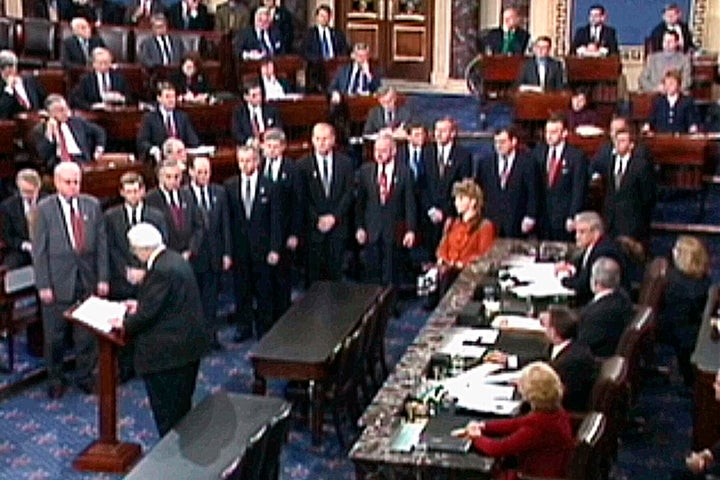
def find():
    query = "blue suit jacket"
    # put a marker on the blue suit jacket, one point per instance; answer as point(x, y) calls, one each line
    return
point(677, 119)
point(87, 91)
point(246, 40)
point(341, 82)
point(608, 39)
point(313, 46)
point(153, 132)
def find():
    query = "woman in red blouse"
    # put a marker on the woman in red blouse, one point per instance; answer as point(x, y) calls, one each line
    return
point(542, 440)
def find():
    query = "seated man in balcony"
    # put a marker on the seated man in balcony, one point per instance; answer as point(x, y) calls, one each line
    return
point(140, 12)
point(388, 114)
point(595, 38)
point(20, 93)
point(161, 48)
point(508, 39)
point(672, 112)
point(658, 63)
point(101, 87)
point(189, 15)
point(77, 49)
point(356, 78)
point(322, 42)
point(671, 22)
point(253, 117)
point(273, 88)
point(261, 40)
point(542, 71)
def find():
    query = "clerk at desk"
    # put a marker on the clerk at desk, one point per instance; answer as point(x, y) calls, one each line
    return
point(542, 71)
point(103, 86)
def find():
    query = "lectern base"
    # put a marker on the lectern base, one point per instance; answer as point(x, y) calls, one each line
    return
point(108, 457)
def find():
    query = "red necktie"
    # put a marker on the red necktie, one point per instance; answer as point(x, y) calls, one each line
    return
point(64, 152)
point(554, 169)
point(255, 124)
point(384, 187)
point(170, 126)
point(78, 228)
point(177, 213)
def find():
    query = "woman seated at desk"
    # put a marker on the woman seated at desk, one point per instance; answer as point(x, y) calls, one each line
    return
point(274, 88)
point(190, 81)
point(580, 113)
point(672, 112)
point(542, 440)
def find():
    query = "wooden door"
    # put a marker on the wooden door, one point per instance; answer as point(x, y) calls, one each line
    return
point(399, 33)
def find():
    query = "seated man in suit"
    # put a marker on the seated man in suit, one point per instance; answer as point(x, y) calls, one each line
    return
point(322, 42)
point(161, 48)
point(541, 71)
point(76, 50)
point(231, 17)
point(282, 20)
point(604, 318)
point(659, 63)
point(55, 10)
point(595, 38)
point(672, 112)
point(671, 22)
point(273, 88)
point(103, 86)
point(573, 361)
point(18, 214)
point(189, 15)
point(356, 78)
point(102, 12)
point(388, 114)
point(590, 238)
point(508, 39)
point(20, 93)
point(253, 117)
point(66, 138)
point(140, 12)
point(165, 122)
point(261, 40)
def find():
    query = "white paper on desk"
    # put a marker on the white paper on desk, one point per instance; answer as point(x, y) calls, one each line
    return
point(517, 322)
point(551, 288)
point(498, 407)
point(97, 313)
point(484, 397)
point(470, 377)
point(519, 260)
point(533, 272)
point(503, 377)
point(202, 150)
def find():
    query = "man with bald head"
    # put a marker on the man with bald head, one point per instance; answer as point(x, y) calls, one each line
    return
point(70, 258)
point(102, 86)
point(77, 49)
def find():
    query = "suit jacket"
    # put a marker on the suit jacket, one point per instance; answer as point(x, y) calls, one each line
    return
point(117, 225)
point(575, 365)
point(9, 104)
point(65, 9)
point(168, 329)
point(580, 282)
point(566, 197)
point(603, 321)
point(312, 48)
point(153, 132)
point(217, 241)
point(187, 236)
point(155, 7)
point(15, 231)
point(198, 84)
point(423, 192)
point(656, 37)
point(657, 64)
point(57, 265)
point(246, 40)
point(681, 310)
point(255, 237)
point(88, 137)
point(105, 12)
point(150, 55)
point(338, 203)
point(506, 207)
point(72, 55)
point(554, 74)
point(241, 126)
point(177, 21)
point(608, 39)
point(290, 191)
point(397, 216)
point(342, 81)
point(231, 18)
point(676, 119)
point(458, 167)
point(282, 20)
point(493, 41)
point(376, 119)
point(87, 91)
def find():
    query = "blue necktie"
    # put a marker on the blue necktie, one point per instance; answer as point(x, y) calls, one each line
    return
point(354, 83)
point(324, 44)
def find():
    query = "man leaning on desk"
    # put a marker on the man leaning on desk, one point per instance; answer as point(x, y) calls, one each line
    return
point(596, 38)
point(509, 38)
point(541, 71)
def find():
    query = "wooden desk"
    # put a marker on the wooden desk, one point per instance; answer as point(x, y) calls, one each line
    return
point(533, 109)
point(589, 145)
point(499, 73)
point(8, 132)
point(704, 74)
point(299, 115)
point(641, 107)
point(683, 159)
point(599, 76)
point(302, 343)
point(286, 66)
point(102, 180)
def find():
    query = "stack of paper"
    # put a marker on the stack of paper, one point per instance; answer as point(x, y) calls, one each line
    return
point(466, 342)
point(517, 322)
point(98, 312)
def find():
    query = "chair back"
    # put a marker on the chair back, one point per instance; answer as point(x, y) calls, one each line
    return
point(253, 458)
point(633, 341)
point(611, 396)
point(38, 41)
point(8, 34)
point(191, 40)
point(120, 41)
point(277, 437)
point(141, 34)
point(53, 80)
point(654, 282)
point(590, 455)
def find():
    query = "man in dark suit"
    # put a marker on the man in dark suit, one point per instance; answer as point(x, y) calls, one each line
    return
point(166, 326)
point(140, 12)
point(541, 70)
point(672, 112)
point(70, 259)
point(20, 93)
point(388, 114)
point(19, 213)
point(63, 138)
point(573, 361)
point(261, 40)
point(671, 22)
point(385, 213)
point(102, 12)
point(509, 180)
point(273, 88)
point(55, 10)
point(160, 49)
point(255, 216)
point(251, 118)
point(563, 182)
point(281, 18)
point(447, 163)
point(182, 216)
point(327, 183)
point(355, 78)
point(165, 122)
point(103, 86)
point(509, 39)
point(284, 174)
point(595, 38)
point(214, 255)
point(76, 50)
point(590, 238)
point(604, 318)
point(322, 42)
point(189, 15)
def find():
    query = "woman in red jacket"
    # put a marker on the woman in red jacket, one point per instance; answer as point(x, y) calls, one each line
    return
point(542, 440)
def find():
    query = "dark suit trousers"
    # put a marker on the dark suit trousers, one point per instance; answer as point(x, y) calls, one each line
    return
point(380, 260)
point(208, 282)
point(325, 258)
point(254, 288)
point(556, 234)
point(170, 393)
point(282, 283)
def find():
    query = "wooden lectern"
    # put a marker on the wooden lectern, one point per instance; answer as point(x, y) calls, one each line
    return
point(106, 454)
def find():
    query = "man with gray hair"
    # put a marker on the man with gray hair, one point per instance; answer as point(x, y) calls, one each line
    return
point(77, 49)
point(388, 114)
point(355, 78)
point(604, 318)
point(19, 213)
point(167, 326)
point(160, 49)
point(260, 40)
point(102, 86)
point(19, 93)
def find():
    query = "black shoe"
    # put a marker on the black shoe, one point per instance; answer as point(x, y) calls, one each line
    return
point(56, 391)
point(87, 387)
point(241, 336)
point(217, 346)
point(126, 375)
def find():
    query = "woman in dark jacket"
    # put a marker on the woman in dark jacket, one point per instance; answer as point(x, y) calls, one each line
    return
point(190, 80)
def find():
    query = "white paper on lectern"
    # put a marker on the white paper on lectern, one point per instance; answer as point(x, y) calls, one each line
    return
point(98, 312)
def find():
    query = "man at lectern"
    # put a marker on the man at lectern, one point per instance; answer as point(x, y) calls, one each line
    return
point(167, 326)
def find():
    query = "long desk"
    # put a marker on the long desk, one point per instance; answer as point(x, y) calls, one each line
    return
point(301, 345)
point(371, 454)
